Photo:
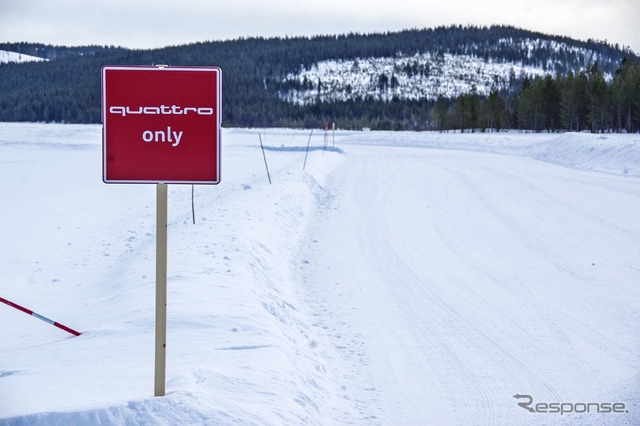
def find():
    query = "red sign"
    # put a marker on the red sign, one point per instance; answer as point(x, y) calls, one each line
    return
point(161, 124)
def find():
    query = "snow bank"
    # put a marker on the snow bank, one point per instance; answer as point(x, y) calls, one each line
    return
point(610, 153)
point(240, 348)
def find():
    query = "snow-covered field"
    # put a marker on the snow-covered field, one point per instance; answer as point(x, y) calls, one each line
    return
point(404, 278)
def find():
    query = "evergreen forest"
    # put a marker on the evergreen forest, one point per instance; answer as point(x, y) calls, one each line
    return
point(589, 85)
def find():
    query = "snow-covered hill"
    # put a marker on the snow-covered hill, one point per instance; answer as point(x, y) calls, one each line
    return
point(427, 76)
point(407, 278)
point(6, 57)
point(406, 78)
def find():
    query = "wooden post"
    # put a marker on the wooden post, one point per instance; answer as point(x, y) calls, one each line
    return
point(333, 142)
point(161, 289)
point(265, 159)
point(307, 153)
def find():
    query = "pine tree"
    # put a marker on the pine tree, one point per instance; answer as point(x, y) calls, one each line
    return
point(456, 117)
point(471, 109)
point(493, 111)
point(551, 103)
point(599, 108)
point(626, 95)
point(530, 105)
point(439, 114)
point(568, 107)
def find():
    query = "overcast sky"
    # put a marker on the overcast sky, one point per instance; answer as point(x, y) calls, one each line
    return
point(157, 23)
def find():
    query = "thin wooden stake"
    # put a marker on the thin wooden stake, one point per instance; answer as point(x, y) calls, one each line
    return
point(307, 153)
point(193, 209)
point(265, 159)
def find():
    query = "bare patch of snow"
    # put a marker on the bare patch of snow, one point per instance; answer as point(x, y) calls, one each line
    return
point(7, 57)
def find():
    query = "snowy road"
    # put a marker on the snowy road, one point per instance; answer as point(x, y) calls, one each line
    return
point(411, 278)
point(449, 281)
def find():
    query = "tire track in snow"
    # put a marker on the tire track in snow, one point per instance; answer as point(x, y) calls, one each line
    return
point(562, 226)
point(414, 292)
point(447, 263)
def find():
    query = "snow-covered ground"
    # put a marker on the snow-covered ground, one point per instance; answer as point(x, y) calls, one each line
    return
point(6, 56)
point(404, 278)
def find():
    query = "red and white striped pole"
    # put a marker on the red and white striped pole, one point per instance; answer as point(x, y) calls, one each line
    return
point(27, 311)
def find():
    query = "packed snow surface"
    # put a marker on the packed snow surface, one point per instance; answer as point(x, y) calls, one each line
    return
point(400, 278)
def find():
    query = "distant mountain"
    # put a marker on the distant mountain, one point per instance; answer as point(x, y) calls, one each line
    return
point(428, 75)
point(46, 51)
point(354, 79)
point(447, 63)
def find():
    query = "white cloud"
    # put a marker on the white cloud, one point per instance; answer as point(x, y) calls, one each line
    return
point(141, 24)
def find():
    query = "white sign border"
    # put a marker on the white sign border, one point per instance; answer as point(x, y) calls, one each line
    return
point(103, 103)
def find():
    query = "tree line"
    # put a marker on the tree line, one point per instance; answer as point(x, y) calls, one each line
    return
point(584, 101)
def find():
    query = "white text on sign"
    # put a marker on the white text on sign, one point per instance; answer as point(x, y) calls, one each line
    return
point(161, 136)
point(162, 109)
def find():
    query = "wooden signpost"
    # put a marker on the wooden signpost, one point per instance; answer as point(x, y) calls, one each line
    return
point(161, 125)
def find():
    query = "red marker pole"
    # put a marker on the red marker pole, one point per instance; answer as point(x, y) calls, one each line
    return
point(27, 311)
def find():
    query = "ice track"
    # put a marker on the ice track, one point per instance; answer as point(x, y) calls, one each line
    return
point(449, 281)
